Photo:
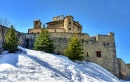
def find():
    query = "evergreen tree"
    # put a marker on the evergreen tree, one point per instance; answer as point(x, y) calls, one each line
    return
point(74, 50)
point(11, 40)
point(43, 42)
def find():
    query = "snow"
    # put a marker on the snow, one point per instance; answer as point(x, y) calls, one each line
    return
point(37, 66)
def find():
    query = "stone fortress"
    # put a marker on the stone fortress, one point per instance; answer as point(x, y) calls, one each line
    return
point(59, 24)
point(100, 49)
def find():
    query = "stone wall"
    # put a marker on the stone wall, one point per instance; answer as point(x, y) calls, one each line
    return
point(4, 32)
point(34, 30)
point(56, 30)
point(103, 43)
point(124, 71)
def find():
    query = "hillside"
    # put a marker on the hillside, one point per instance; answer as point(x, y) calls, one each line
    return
point(36, 66)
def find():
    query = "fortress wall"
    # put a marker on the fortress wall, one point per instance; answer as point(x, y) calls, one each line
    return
point(27, 40)
point(124, 71)
point(108, 57)
point(90, 46)
point(56, 30)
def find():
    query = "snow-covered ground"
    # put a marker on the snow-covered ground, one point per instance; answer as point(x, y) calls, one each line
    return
point(36, 66)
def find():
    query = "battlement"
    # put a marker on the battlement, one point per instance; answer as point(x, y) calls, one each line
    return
point(58, 18)
point(37, 24)
point(99, 49)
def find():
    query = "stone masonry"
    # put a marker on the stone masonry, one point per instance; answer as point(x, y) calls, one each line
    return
point(105, 44)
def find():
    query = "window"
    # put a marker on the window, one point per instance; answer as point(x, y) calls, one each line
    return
point(113, 44)
point(114, 51)
point(69, 28)
point(104, 44)
point(82, 40)
point(69, 19)
point(36, 22)
point(98, 53)
point(78, 29)
point(107, 44)
point(87, 54)
point(55, 30)
point(69, 22)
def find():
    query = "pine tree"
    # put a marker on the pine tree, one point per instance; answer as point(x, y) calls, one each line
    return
point(74, 50)
point(11, 40)
point(43, 42)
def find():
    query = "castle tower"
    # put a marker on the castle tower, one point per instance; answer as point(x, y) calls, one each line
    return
point(37, 24)
point(113, 48)
point(68, 24)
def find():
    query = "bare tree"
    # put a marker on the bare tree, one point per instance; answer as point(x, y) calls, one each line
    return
point(4, 22)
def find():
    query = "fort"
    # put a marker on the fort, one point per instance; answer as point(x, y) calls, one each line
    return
point(100, 49)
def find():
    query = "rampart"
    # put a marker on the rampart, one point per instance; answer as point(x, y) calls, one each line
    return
point(104, 44)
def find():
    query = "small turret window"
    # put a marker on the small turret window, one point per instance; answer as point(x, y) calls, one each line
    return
point(36, 22)
point(78, 29)
point(69, 22)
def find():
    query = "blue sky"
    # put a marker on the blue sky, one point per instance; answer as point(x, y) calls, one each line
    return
point(96, 17)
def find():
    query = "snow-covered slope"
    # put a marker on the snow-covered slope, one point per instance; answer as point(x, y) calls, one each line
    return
point(36, 66)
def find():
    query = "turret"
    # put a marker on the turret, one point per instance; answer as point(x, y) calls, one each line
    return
point(68, 23)
point(37, 24)
point(111, 35)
